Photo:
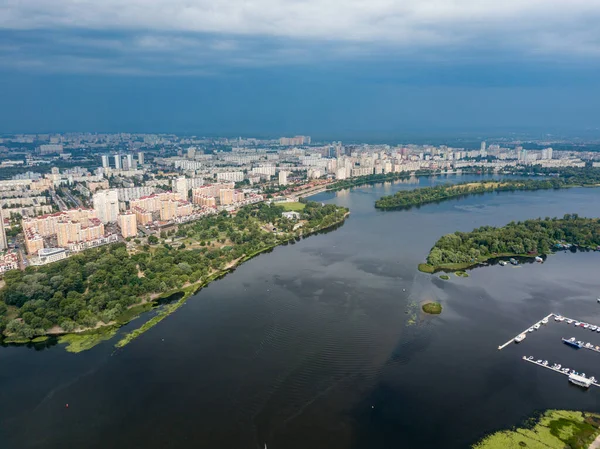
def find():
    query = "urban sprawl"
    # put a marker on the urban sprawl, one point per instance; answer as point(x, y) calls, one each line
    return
point(62, 194)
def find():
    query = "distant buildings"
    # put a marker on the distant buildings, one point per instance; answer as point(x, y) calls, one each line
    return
point(127, 222)
point(180, 186)
point(297, 140)
point(105, 162)
point(236, 176)
point(3, 241)
point(283, 178)
point(51, 149)
point(117, 158)
point(106, 205)
point(140, 158)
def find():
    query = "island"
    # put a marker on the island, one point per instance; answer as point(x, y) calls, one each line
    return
point(554, 429)
point(87, 297)
point(405, 199)
point(432, 308)
point(530, 238)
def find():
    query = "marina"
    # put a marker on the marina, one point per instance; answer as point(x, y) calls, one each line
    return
point(560, 319)
point(576, 378)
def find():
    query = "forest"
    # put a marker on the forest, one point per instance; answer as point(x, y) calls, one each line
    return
point(97, 286)
point(530, 237)
point(405, 199)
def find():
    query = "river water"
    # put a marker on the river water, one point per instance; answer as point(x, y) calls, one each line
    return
point(321, 344)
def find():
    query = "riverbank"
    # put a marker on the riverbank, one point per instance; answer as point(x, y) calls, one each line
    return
point(86, 298)
point(376, 179)
point(195, 288)
point(555, 429)
point(406, 199)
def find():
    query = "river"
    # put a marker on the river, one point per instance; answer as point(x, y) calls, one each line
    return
point(321, 344)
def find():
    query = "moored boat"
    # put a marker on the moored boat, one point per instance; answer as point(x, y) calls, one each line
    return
point(572, 342)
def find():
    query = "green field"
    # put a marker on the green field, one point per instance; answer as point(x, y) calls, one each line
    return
point(558, 429)
point(292, 206)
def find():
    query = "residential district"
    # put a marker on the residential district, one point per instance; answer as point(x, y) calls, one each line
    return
point(63, 193)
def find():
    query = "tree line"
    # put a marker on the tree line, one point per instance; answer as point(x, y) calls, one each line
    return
point(98, 285)
point(530, 237)
point(406, 199)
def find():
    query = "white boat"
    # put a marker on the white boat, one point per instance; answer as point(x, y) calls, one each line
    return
point(536, 326)
point(545, 321)
point(519, 338)
point(593, 328)
point(580, 380)
point(503, 263)
point(586, 326)
point(570, 321)
point(577, 323)
point(530, 329)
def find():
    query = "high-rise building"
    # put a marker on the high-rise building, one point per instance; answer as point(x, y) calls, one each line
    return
point(106, 205)
point(482, 149)
point(141, 158)
point(130, 162)
point(180, 185)
point(105, 163)
point(226, 196)
point(283, 178)
point(117, 161)
point(128, 223)
point(191, 152)
point(3, 241)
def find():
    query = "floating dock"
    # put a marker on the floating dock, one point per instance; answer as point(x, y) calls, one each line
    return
point(564, 371)
point(525, 331)
point(565, 319)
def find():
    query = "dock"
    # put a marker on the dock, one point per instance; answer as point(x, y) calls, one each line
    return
point(501, 347)
point(590, 347)
point(563, 371)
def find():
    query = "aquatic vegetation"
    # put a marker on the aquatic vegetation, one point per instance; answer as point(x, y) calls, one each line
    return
point(87, 340)
point(462, 274)
point(433, 308)
point(445, 277)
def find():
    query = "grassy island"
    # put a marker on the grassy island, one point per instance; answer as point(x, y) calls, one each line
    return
point(555, 429)
point(406, 199)
point(85, 299)
point(433, 308)
point(455, 252)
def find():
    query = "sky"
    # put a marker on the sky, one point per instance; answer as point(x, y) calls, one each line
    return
point(334, 69)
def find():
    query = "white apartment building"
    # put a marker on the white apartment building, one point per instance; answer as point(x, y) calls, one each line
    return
point(106, 205)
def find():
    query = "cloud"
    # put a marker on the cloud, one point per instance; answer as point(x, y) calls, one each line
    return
point(201, 35)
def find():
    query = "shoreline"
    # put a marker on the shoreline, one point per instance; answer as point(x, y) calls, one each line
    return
point(85, 339)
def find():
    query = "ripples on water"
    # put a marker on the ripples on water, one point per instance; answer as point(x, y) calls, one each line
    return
point(309, 346)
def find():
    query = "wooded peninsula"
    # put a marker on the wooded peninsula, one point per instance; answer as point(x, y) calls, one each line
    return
point(110, 285)
point(405, 199)
point(528, 238)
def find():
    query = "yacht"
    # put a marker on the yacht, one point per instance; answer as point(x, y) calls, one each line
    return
point(536, 326)
point(545, 321)
point(519, 338)
point(572, 342)
point(503, 263)
point(593, 328)
point(530, 329)
point(570, 321)
point(580, 380)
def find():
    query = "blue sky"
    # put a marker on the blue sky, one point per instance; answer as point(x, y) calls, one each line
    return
point(336, 69)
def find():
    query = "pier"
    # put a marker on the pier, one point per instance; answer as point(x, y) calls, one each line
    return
point(565, 319)
point(501, 347)
point(561, 370)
